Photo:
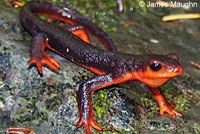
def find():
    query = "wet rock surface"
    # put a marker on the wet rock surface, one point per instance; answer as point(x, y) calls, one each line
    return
point(48, 104)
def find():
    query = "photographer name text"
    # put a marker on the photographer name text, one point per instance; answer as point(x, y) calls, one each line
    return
point(172, 4)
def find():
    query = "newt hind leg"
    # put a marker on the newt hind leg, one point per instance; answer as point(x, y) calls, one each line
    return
point(80, 32)
point(38, 55)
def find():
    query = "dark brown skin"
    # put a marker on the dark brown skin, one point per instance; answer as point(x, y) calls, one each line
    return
point(111, 67)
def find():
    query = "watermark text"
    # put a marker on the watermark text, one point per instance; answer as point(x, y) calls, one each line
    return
point(174, 4)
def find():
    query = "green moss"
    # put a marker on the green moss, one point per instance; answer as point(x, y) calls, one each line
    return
point(2, 100)
point(197, 128)
point(174, 97)
point(150, 104)
point(53, 103)
point(101, 104)
point(32, 94)
point(128, 132)
point(30, 113)
point(103, 11)
point(182, 104)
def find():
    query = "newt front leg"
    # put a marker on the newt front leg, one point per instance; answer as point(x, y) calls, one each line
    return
point(163, 104)
point(38, 55)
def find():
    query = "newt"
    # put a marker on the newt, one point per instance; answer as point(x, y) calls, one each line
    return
point(110, 66)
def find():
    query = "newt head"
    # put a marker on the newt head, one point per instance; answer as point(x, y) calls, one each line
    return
point(159, 69)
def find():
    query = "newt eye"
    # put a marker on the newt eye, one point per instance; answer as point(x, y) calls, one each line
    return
point(155, 66)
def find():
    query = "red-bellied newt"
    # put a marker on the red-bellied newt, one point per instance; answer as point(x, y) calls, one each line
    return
point(110, 66)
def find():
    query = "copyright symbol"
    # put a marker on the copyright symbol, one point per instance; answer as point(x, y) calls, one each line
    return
point(141, 4)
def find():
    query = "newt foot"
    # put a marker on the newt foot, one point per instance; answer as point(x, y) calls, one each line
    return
point(164, 107)
point(44, 60)
point(88, 123)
